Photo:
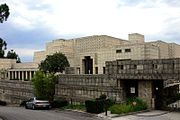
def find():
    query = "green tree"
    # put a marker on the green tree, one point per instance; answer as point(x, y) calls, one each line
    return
point(54, 63)
point(12, 55)
point(3, 47)
point(44, 85)
point(50, 82)
point(4, 12)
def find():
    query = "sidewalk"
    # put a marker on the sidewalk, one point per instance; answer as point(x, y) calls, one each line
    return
point(134, 115)
point(152, 113)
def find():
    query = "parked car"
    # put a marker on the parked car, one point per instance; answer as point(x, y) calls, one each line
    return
point(34, 103)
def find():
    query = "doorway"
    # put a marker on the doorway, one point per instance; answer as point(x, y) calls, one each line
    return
point(88, 65)
point(158, 94)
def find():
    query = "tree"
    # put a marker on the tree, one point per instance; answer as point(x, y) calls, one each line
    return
point(3, 46)
point(4, 12)
point(12, 55)
point(54, 63)
point(44, 85)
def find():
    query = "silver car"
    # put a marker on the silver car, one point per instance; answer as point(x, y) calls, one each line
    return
point(34, 103)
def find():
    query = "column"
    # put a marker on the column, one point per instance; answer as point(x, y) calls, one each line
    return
point(12, 75)
point(145, 92)
point(9, 75)
point(22, 75)
point(30, 75)
point(19, 75)
point(26, 75)
point(15, 75)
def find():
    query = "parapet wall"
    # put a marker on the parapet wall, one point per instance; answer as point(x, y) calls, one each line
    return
point(154, 69)
point(78, 88)
point(15, 92)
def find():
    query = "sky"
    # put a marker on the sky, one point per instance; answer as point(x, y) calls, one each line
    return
point(33, 23)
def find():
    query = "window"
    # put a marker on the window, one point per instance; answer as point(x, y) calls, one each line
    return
point(155, 66)
point(104, 70)
point(78, 70)
point(133, 66)
point(127, 50)
point(96, 70)
point(119, 51)
point(121, 67)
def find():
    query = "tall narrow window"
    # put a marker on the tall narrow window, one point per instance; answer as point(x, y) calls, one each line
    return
point(104, 70)
point(78, 70)
point(121, 67)
point(96, 70)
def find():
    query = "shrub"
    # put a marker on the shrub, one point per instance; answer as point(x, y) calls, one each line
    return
point(23, 103)
point(94, 106)
point(137, 104)
point(131, 105)
point(103, 97)
point(99, 104)
point(90, 106)
point(76, 107)
point(121, 108)
point(59, 103)
point(3, 103)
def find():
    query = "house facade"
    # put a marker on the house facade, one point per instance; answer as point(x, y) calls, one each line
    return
point(87, 55)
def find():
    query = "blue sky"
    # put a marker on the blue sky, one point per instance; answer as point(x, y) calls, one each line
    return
point(32, 24)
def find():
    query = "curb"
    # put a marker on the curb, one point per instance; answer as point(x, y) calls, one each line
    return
point(131, 113)
point(76, 111)
point(166, 112)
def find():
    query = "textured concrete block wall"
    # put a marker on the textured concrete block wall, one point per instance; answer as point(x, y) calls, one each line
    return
point(145, 92)
point(15, 92)
point(79, 88)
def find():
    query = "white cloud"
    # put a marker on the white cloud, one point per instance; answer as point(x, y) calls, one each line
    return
point(88, 17)
point(111, 17)
point(26, 52)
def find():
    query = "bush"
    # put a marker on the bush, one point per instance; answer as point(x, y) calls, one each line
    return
point(137, 104)
point(121, 108)
point(59, 103)
point(94, 106)
point(99, 104)
point(23, 103)
point(76, 107)
point(91, 106)
point(3, 103)
point(103, 97)
point(131, 105)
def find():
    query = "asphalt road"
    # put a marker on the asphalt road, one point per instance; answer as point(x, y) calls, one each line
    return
point(152, 115)
point(19, 113)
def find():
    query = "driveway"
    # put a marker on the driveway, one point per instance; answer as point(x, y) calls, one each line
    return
point(152, 115)
point(19, 113)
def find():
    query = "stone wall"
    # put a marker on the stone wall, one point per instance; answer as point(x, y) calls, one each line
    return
point(78, 88)
point(145, 92)
point(15, 92)
point(121, 75)
point(153, 69)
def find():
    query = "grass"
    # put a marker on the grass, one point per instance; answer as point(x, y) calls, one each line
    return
point(76, 107)
point(121, 108)
point(131, 105)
